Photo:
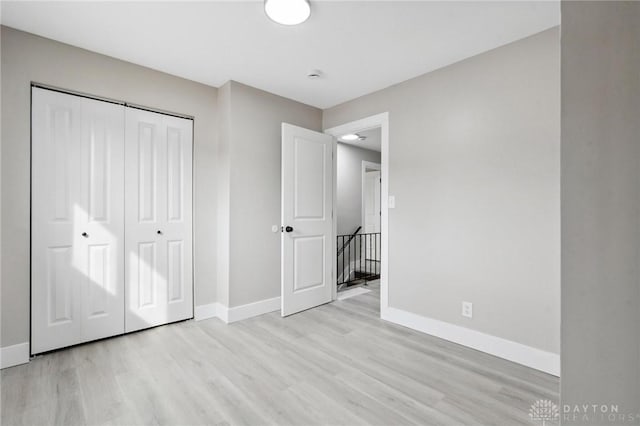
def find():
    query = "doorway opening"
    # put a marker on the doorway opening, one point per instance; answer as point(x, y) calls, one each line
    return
point(360, 208)
point(358, 211)
point(309, 232)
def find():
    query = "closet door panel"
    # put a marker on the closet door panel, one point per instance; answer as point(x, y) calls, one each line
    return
point(55, 273)
point(177, 231)
point(77, 228)
point(158, 219)
point(144, 139)
point(102, 210)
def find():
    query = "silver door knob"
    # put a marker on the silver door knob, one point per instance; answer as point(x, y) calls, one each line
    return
point(159, 232)
point(84, 234)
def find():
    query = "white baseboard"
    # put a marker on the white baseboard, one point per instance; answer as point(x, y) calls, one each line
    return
point(204, 312)
point(223, 313)
point(236, 313)
point(14, 355)
point(516, 352)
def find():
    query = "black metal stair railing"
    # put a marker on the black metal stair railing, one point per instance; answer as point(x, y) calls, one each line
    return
point(350, 238)
point(358, 259)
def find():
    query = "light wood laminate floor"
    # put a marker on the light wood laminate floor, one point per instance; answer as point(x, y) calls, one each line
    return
point(338, 364)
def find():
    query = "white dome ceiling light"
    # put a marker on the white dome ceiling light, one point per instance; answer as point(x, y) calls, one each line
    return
point(287, 12)
point(350, 137)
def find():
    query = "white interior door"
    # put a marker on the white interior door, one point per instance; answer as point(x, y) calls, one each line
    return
point(77, 291)
point(307, 206)
point(372, 213)
point(158, 219)
point(372, 209)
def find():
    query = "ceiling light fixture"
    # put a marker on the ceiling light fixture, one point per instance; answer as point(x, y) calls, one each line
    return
point(350, 137)
point(287, 12)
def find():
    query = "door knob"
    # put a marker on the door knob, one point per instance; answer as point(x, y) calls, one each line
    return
point(288, 229)
point(84, 234)
point(159, 232)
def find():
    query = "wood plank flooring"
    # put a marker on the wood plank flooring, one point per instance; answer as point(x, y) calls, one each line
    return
point(338, 364)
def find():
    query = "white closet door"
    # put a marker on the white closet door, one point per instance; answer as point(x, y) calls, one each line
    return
point(157, 219)
point(77, 286)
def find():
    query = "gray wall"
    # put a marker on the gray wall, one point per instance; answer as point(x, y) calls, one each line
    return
point(349, 177)
point(601, 206)
point(222, 184)
point(27, 58)
point(254, 153)
point(475, 168)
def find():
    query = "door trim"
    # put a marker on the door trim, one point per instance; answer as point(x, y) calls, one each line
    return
point(382, 121)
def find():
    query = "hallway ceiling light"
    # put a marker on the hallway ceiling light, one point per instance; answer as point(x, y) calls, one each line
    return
point(350, 137)
point(287, 12)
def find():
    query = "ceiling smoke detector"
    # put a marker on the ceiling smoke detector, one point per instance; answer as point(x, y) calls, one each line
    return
point(287, 12)
point(313, 74)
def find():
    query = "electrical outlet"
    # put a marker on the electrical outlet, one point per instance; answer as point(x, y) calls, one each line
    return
point(467, 309)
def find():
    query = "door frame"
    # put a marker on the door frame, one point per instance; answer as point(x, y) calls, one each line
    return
point(382, 121)
point(367, 165)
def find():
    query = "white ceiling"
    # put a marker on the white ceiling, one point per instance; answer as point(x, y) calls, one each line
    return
point(360, 46)
point(372, 142)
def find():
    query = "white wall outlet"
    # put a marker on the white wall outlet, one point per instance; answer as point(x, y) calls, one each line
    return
point(275, 228)
point(392, 201)
point(467, 309)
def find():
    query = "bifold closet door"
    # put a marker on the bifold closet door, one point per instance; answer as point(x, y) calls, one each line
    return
point(77, 220)
point(158, 238)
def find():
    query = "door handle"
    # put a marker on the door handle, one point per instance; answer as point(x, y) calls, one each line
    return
point(288, 229)
point(159, 232)
point(84, 234)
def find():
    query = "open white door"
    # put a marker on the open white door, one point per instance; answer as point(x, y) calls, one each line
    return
point(307, 206)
